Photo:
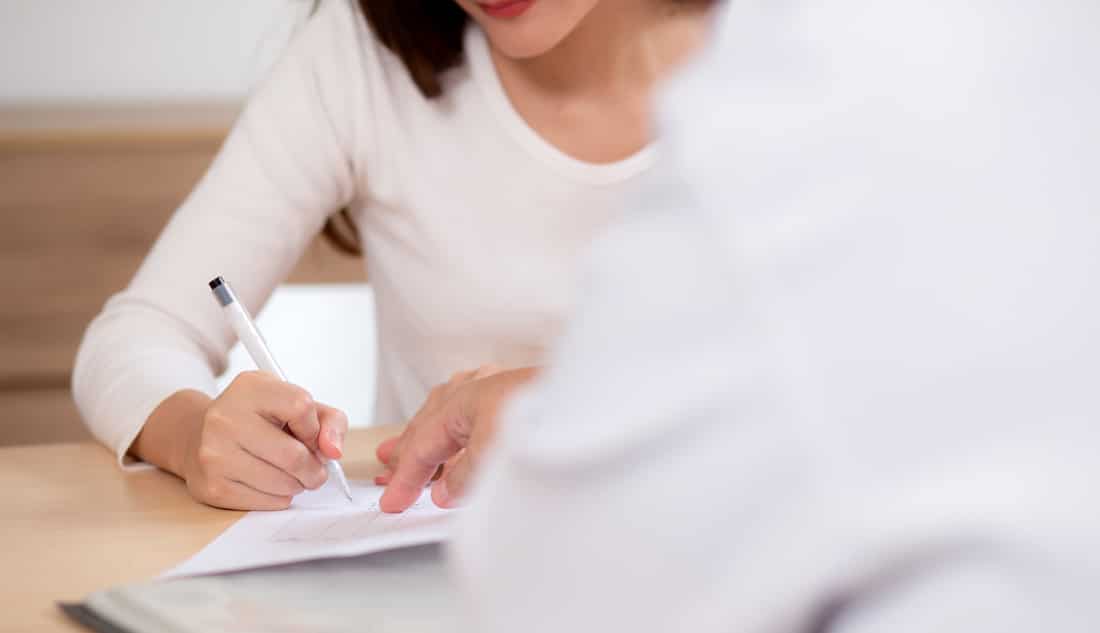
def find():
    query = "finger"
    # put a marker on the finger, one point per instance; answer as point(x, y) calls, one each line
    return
point(334, 426)
point(456, 479)
point(385, 477)
point(386, 449)
point(234, 495)
point(451, 487)
point(254, 472)
point(284, 452)
point(300, 414)
point(284, 404)
point(439, 471)
point(432, 444)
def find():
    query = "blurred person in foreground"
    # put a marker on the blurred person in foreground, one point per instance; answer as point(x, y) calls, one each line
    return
point(839, 372)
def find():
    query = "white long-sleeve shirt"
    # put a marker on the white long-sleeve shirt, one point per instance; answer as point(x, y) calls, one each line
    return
point(472, 226)
point(840, 371)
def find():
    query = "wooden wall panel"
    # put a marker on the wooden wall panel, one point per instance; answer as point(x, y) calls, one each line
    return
point(83, 194)
point(74, 225)
point(39, 416)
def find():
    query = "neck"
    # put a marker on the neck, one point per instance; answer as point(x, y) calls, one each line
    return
point(620, 46)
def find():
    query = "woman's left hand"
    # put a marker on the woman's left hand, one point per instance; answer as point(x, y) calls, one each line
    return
point(451, 430)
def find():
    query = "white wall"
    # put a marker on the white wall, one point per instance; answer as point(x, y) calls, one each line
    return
point(324, 339)
point(138, 50)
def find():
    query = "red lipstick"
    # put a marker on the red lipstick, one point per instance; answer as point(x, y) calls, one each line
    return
point(506, 8)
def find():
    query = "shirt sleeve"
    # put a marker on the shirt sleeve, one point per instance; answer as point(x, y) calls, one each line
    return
point(287, 164)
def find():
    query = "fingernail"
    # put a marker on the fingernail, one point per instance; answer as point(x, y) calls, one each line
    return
point(384, 503)
point(336, 438)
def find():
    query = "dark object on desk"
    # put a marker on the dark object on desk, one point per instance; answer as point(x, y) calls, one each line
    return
point(89, 619)
point(399, 591)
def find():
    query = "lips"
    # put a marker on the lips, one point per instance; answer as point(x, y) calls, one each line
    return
point(506, 8)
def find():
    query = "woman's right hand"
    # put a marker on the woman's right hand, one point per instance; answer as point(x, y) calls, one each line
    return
point(236, 455)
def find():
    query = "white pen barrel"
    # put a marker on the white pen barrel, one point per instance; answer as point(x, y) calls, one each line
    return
point(252, 340)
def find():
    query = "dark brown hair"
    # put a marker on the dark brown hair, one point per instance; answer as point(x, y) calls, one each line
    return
point(427, 36)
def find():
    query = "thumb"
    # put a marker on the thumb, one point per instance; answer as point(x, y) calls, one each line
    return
point(451, 487)
point(334, 426)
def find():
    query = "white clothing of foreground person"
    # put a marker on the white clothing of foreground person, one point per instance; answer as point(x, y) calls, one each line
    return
point(841, 369)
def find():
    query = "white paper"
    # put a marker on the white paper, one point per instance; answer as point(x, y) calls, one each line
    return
point(319, 524)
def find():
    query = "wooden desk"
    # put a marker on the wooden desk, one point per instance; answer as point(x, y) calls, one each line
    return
point(71, 523)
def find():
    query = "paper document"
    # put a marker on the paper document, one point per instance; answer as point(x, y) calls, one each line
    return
point(319, 524)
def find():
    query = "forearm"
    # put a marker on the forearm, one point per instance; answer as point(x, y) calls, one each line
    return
point(170, 429)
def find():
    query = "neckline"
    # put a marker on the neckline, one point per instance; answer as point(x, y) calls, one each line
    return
point(485, 75)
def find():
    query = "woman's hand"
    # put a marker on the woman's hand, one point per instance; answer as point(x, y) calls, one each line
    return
point(451, 430)
point(232, 451)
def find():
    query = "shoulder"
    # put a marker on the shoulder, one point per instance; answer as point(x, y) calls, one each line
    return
point(350, 57)
point(338, 35)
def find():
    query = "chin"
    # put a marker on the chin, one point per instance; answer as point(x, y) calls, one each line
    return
point(516, 42)
point(536, 31)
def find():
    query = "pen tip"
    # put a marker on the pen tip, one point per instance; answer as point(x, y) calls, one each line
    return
point(334, 468)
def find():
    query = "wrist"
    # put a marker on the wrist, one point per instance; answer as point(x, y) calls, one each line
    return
point(186, 438)
point(172, 431)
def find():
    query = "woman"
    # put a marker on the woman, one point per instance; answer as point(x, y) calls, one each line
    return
point(474, 159)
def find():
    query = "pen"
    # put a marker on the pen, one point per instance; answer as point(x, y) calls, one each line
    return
point(257, 348)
